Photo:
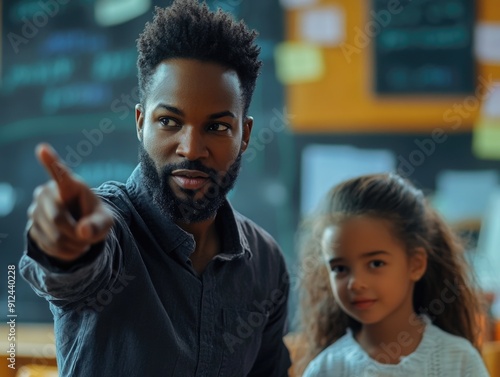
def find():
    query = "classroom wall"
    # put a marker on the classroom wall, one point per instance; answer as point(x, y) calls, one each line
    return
point(95, 82)
point(343, 98)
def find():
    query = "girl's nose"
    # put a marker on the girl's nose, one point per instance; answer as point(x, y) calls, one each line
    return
point(356, 283)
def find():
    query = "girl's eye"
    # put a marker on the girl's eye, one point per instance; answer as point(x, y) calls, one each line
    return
point(338, 269)
point(168, 122)
point(377, 263)
point(219, 127)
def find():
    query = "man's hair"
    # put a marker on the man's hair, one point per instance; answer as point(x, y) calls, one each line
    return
point(188, 29)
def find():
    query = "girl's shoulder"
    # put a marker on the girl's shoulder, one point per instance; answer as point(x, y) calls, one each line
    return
point(455, 354)
point(447, 341)
point(346, 343)
point(335, 357)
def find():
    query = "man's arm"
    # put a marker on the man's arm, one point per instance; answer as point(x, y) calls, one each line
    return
point(67, 227)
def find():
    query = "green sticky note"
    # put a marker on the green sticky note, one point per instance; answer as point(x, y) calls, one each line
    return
point(486, 140)
point(298, 62)
point(114, 12)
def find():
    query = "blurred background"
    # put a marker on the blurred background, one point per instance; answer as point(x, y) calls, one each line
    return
point(348, 87)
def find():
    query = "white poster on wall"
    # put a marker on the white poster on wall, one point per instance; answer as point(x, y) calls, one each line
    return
point(324, 166)
point(487, 42)
point(462, 195)
point(291, 4)
point(324, 26)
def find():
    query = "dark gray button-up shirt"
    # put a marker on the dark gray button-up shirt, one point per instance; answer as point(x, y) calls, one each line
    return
point(134, 306)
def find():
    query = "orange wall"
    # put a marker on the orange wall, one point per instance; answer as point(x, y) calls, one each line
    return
point(344, 101)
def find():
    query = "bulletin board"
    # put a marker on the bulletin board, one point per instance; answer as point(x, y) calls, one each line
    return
point(345, 96)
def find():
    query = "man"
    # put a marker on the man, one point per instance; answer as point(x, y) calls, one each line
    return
point(160, 276)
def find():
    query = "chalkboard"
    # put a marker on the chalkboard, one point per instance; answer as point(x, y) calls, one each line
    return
point(69, 77)
point(422, 46)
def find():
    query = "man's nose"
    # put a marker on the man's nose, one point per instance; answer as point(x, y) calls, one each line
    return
point(192, 144)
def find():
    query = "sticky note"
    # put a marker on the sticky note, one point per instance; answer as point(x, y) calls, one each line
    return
point(325, 25)
point(115, 12)
point(486, 139)
point(298, 62)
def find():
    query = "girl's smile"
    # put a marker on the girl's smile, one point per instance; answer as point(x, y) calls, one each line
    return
point(363, 304)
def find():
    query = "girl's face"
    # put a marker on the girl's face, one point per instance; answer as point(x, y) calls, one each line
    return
point(372, 276)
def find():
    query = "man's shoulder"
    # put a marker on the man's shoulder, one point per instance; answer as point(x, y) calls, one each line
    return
point(252, 230)
point(115, 195)
point(262, 244)
point(110, 189)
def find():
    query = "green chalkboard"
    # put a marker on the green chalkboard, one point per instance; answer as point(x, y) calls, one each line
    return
point(422, 46)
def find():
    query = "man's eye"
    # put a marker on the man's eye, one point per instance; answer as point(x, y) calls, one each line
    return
point(220, 127)
point(168, 122)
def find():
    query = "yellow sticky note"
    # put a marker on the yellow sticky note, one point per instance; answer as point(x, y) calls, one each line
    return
point(298, 62)
point(486, 139)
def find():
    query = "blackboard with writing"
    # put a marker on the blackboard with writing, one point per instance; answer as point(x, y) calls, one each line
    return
point(422, 46)
point(69, 77)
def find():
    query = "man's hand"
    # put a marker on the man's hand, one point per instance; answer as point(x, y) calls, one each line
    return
point(65, 217)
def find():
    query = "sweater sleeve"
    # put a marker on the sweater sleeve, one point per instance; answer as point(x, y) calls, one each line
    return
point(312, 370)
point(473, 365)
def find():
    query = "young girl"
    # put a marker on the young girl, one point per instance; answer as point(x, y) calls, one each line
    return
point(386, 289)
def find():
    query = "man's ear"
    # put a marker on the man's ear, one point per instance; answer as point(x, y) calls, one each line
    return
point(247, 130)
point(418, 264)
point(139, 120)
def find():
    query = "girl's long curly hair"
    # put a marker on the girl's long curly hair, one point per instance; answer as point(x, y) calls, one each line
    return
point(389, 197)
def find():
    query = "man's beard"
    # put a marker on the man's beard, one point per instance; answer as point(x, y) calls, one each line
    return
point(188, 210)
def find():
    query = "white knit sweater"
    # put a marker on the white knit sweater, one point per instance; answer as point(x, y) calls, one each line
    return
point(439, 354)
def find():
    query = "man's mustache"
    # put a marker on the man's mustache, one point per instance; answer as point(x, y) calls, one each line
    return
point(190, 165)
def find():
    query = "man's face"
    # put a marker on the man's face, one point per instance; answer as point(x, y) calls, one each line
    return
point(192, 135)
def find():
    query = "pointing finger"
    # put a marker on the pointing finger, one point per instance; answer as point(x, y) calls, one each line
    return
point(58, 171)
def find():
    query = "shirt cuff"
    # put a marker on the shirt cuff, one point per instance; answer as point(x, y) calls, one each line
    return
point(59, 266)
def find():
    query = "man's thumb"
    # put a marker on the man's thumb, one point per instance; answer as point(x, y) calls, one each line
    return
point(95, 227)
